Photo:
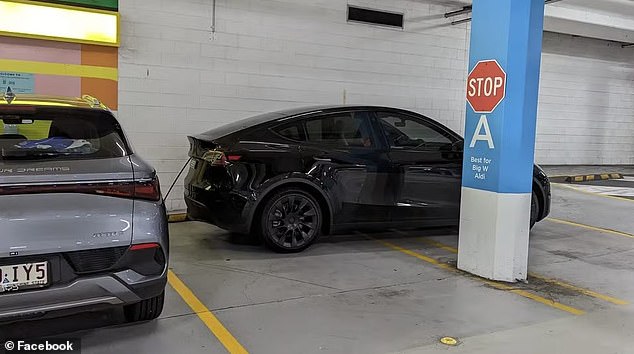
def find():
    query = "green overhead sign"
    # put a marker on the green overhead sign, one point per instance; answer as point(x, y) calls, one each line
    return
point(112, 5)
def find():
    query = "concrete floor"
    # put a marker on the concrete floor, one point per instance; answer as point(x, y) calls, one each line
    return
point(368, 293)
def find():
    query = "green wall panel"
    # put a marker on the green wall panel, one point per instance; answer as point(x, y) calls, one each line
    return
point(112, 5)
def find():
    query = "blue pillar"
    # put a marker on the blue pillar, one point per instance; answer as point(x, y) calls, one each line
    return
point(498, 162)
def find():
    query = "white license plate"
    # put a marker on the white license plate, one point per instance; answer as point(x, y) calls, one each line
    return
point(23, 276)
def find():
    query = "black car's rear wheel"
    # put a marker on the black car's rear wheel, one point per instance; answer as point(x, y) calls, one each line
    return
point(291, 220)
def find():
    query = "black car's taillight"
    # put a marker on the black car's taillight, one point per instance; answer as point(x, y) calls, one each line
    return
point(145, 259)
point(219, 158)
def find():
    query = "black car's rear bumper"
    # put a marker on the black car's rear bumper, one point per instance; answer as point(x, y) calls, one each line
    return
point(220, 212)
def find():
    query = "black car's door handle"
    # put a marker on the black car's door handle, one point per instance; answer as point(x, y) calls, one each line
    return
point(422, 168)
point(322, 159)
point(431, 170)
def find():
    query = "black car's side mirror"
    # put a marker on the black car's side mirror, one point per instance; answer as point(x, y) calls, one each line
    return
point(458, 146)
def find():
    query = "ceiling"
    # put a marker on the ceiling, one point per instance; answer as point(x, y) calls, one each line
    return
point(604, 19)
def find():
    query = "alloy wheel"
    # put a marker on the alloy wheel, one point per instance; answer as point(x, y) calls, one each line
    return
point(292, 221)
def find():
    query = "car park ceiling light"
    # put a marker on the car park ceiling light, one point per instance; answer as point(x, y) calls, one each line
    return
point(59, 22)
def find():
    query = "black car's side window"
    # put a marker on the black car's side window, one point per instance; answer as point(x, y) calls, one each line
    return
point(292, 131)
point(343, 129)
point(408, 132)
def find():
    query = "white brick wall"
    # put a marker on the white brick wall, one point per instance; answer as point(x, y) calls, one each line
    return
point(586, 106)
point(177, 79)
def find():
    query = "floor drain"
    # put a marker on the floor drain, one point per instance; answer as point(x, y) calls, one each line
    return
point(449, 341)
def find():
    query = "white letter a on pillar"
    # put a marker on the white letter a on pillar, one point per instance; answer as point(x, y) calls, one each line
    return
point(482, 123)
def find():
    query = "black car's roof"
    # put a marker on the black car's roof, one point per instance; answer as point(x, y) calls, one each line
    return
point(291, 112)
point(310, 109)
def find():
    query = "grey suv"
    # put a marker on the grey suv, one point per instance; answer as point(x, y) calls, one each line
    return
point(82, 222)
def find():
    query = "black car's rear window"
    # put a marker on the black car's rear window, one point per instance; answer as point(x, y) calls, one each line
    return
point(69, 134)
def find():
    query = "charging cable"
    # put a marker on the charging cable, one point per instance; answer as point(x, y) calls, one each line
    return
point(176, 179)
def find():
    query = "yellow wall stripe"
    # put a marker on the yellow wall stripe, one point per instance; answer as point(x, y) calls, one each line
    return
point(215, 326)
point(45, 68)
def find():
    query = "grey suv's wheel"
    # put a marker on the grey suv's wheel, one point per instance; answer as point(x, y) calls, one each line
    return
point(291, 220)
point(534, 209)
point(145, 310)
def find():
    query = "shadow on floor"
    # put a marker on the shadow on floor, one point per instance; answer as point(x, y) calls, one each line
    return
point(75, 326)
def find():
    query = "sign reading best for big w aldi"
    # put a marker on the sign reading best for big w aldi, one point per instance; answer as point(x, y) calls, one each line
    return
point(486, 89)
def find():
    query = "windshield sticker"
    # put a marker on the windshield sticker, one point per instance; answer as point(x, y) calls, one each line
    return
point(18, 82)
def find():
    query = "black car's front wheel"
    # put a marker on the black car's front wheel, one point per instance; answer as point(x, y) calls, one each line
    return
point(534, 209)
point(291, 220)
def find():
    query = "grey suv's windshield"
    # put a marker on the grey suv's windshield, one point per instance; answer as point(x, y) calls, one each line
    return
point(66, 135)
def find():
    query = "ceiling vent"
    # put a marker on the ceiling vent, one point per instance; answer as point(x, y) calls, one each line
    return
point(375, 17)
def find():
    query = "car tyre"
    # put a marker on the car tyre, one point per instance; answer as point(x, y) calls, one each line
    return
point(145, 310)
point(534, 209)
point(291, 220)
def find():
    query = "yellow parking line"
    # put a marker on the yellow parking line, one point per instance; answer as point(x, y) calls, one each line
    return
point(580, 290)
point(178, 217)
point(416, 255)
point(493, 284)
point(440, 245)
point(561, 185)
point(535, 297)
point(215, 326)
point(590, 227)
point(543, 278)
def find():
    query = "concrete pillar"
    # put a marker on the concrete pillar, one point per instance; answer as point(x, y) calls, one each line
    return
point(500, 143)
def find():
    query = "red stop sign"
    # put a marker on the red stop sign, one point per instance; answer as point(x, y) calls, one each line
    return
point(486, 86)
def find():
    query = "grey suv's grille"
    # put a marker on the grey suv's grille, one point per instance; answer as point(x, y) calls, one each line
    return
point(95, 260)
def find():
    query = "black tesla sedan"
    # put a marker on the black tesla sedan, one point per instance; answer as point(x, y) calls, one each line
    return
point(292, 175)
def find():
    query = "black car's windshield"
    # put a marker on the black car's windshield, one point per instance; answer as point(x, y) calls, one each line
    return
point(74, 134)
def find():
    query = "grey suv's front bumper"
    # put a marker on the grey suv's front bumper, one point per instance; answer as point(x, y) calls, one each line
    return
point(89, 292)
